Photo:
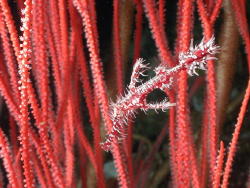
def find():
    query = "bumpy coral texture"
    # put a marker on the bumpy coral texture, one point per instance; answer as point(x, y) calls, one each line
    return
point(126, 107)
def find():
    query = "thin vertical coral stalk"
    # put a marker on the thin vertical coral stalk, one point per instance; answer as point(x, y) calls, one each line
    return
point(207, 23)
point(13, 135)
point(63, 30)
point(11, 27)
point(158, 34)
point(162, 14)
point(120, 166)
point(82, 166)
point(24, 66)
point(216, 10)
point(69, 143)
point(203, 14)
point(70, 120)
point(66, 66)
point(53, 16)
point(8, 160)
point(6, 93)
point(193, 161)
point(232, 148)
point(83, 142)
point(40, 56)
point(241, 18)
point(219, 166)
point(182, 154)
point(172, 144)
point(204, 149)
point(138, 30)
point(117, 46)
point(15, 148)
point(211, 97)
point(51, 46)
point(93, 16)
point(183, 127)
point(178, 26)
point(9, 57)
point(186, 25)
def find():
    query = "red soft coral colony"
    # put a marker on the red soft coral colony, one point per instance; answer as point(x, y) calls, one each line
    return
point(59, 110)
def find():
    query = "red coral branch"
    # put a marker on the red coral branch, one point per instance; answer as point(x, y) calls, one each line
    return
point(158, 33)
point(232, 148)
point(24, 67)
point(219, 166)
point(5, 153)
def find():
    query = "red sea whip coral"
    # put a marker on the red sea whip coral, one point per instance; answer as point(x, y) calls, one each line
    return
point(125, 107)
